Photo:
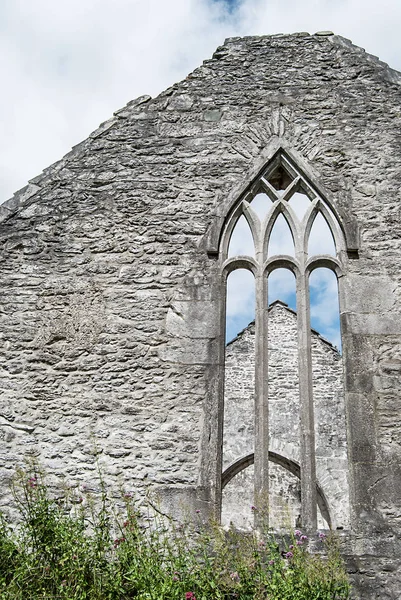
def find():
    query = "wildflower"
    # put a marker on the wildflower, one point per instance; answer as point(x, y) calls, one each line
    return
point(189, 596)
point(322, 536)
point(288, 555)
point(253, 507)
point(127, 495)
point(197, 511)
point(292, 547)
point(32, 482)
point(271, 562)
point(298, 533)
point(299, 543)
point(304, 538)
point(234, 576)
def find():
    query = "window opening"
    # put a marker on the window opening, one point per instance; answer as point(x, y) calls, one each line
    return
point(300, 203)
point(324, 305)
point(261, 204)
point(241, 240)
point(283, 396)
point(287, 287)
point(281, 240)
point(328, 393)
point(280, 178)
point(240, 302)
point(281, 286)
point(321, 239)
point(239, 392)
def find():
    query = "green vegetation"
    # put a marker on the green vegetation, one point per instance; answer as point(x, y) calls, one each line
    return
point(72, 549)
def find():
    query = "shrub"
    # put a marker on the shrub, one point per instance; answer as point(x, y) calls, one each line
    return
point(67, 550)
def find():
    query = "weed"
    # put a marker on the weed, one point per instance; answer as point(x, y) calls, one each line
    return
point(67, 549)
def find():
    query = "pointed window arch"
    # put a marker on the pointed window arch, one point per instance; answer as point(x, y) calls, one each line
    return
point(282, 202)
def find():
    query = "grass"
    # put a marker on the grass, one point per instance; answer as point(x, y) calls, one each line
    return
point(73, 549)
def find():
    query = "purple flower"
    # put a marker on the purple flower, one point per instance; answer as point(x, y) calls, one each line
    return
point(253, 507)
point(298, 533)
point(271, 562)
point(299, 543)
point(322, 536)
point(234, 576)
point(197, 511)
point(291, 547)
point(304, 538)
point(289, 555)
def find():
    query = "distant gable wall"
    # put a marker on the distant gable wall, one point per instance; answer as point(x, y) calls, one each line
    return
point(330, 426)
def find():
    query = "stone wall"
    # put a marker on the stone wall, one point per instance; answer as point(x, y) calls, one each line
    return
point(111, 336)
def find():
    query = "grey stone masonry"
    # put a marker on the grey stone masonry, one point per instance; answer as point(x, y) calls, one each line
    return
point(284, 414)
point(112, 295)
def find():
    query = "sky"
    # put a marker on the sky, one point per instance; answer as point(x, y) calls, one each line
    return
point(66, 66)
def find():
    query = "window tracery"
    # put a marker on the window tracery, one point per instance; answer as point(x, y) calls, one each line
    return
point(282, 222)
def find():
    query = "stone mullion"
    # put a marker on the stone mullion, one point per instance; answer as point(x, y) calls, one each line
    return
point(217, 499)
point(261, 450)
point(307, 426)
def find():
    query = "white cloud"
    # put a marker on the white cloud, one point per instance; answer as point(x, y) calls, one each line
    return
point(281, 286)
point(241, 294)
point(241, 241)
point(281, 241)
point(369, 24)
point(320, 238)
point(66, 66)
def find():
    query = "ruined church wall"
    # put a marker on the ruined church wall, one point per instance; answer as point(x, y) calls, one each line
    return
point(110, 305)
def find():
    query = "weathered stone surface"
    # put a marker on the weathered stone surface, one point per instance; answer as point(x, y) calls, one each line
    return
point(96, 250)
point(283, 392)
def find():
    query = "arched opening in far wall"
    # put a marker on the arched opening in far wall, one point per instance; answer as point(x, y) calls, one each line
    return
point(284, 494)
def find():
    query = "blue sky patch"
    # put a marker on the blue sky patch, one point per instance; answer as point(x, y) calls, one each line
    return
point(230, 5)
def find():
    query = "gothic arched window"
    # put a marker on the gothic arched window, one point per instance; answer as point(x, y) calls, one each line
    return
point(282, 223)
